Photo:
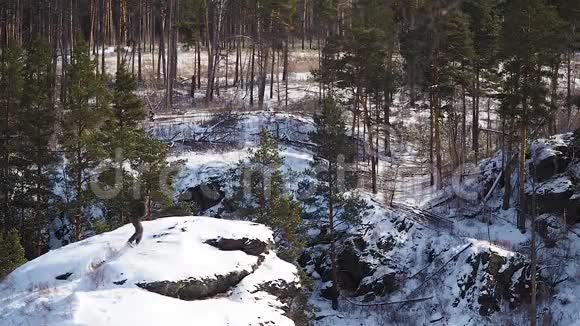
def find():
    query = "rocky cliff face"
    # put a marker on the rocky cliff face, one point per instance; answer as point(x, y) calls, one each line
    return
point(401, 255)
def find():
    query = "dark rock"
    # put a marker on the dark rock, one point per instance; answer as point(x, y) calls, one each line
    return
point(63, 277)
point(284, 291)
point(491, 282)
point(304, 259)
point(549, 227)
point(322, 267)
point(254, 247)
point(552, 196)
point(573, 209)
point(369, 297)
point(359, 243)
point(206, 195)
point(329, 293)
point(196, 289)
point(352, 270)
point(386, 284)
point(121, 282)
point(550, 161)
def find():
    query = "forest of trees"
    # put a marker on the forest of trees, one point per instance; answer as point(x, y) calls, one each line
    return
point(62, 115)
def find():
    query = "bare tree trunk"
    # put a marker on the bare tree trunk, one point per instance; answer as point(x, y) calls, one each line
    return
point(534, 261)
point(431, 125)
point(463, 126)
point(272, 73)
point(569, 89)
point(252, 75)
point(285, 73)
point(507, 175)
point(475, 116)
point(522, 178)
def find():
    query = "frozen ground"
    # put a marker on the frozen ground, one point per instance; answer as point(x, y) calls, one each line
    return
point(94, 281)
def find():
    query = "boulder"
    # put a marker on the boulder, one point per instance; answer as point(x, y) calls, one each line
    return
point(352, 269)
point(205, 195)
point(551, 156)
point(329, 292)
point(196, 289)
point(495, 279)
point(552, 196)
point(573, 209)
point(550, 228)
point(253, 247)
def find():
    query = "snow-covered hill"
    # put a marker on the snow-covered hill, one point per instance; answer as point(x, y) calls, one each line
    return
point(464, 262)
point(187, 271)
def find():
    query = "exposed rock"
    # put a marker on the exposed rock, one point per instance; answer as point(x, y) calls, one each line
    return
point(388, 283)
point(284, 291)
point(551, 196)
point(196, 289)
point(351, 269)
point(550, 164)
point(494, 279)
point(573, 209)
point(551, 156)
point(63, 277)
point(550, 228)
point(329, 293)
point(254, 247)
point(205, 195)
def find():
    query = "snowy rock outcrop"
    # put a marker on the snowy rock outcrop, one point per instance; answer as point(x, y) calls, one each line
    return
point(555, 169)
point(187, 271)
point(401, 255)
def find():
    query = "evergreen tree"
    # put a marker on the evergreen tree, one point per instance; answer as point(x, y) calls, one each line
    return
point(569, 11)
point(333, 152)
point(264, 199)
point(154, 180)
point(11, 252)
point(85, 110)
point(11, 85)
point(485, 27)
point(532, 35)
point(121, 138)
point(36, 125)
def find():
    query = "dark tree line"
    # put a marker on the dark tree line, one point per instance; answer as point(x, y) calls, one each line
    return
point(455, 59)
point(51, 149)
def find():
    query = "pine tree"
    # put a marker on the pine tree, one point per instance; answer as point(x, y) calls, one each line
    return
point(11, 252)
point(85, 111)
point(264, 200)
point(531, 33)
point(36, 125)
point(334, 152)
point(11, 85)
point(485, 27)
point(121, 138)
point(569, 11)
point(155, 180)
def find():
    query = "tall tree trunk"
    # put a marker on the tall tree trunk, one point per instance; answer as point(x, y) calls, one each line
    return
point(507, 175)
point(334, 266)
point(522, 177)
point(252, 75)
point(463, 126)
point(475, 115)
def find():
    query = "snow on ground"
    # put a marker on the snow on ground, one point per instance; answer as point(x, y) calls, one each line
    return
point(101, 287)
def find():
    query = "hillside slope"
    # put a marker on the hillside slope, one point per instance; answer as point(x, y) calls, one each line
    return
point(187, 270)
